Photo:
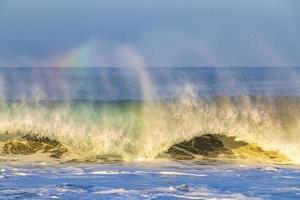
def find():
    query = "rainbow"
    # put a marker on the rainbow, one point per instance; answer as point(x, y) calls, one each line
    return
point(82, 56)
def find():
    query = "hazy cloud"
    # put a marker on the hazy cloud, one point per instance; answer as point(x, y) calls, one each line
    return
point(164, 33)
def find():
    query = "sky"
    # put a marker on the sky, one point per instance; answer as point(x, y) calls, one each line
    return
point(156, 33)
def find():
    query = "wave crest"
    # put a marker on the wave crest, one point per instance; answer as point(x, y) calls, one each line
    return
point(144, 130)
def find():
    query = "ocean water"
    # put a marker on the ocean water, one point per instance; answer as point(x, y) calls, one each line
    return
point(154, 181)
point(129, 83)
point(156, 133)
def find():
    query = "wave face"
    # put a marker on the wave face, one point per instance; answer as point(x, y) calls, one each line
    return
point(133, 130)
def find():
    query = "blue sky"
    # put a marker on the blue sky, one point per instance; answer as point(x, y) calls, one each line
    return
point(81, 33)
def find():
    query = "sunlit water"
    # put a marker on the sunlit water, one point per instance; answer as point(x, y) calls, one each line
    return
point(101, 112)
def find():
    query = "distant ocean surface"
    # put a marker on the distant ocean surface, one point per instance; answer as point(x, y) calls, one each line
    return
point(126, 83)
point(150, 133)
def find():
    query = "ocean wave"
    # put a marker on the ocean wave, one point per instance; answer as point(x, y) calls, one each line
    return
point(253, 128)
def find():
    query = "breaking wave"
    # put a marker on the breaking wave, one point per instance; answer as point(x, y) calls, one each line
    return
point(257, 128)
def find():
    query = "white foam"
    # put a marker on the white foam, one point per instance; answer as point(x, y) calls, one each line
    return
point(19, 174)
point(109, 172)
point(180, 174)
point(54, 197)
point(118, 191)
point(270, 168)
